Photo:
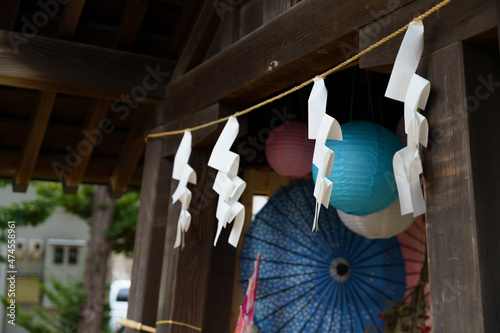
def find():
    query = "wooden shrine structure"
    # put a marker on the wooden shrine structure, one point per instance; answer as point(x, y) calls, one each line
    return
point(159, 65)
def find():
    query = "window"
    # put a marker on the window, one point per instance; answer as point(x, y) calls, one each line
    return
point(58, 255)
point(122, 295)
point(73, 255)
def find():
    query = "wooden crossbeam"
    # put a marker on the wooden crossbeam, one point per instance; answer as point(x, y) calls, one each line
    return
point(460, 20)
point(70, 18)
point(130, 22)
point(98, 172)
point(199, 40)
point(304, 41)
point(89, 137)
point(131, 154)
point(8, 14)
point(36, 131)
point(67, 67)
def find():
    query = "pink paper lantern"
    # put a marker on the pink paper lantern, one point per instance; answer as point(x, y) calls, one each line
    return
point(289, 151)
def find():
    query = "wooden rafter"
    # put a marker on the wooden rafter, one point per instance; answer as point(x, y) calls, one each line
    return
point(63, 66)
point(131, 21)
point(131, 153)
point(8, 14)
point(98, 172)
point(70, 18)
point(305, 40)
point(33, 141)
point(89, 137)
point(199, 40)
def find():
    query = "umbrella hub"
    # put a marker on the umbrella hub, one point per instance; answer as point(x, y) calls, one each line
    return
point(339, 269)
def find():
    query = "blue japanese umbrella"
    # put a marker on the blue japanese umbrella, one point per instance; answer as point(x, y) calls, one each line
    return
point(332, 280)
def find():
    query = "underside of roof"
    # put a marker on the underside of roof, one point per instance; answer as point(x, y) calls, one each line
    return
point(80, 83)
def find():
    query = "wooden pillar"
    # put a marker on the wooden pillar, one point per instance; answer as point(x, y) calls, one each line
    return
point(150, 235)
point(196, 285)
point(462, 187)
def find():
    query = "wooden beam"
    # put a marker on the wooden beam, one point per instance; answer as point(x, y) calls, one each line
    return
point(184, 286)
point(274, 8)
point(62, 66)
point(150, 237)
point(460, 20)
point(229, 27)
point(98, 172)
point(498, 21)
point(240, 72)
point(199, 40)
point(205, 137)
point(130, 23)
point(33, 141)
point(70, 18)
point(89, 137)
point(131, 154)
point(8, 14)
point(251, 16)
point(462, 187)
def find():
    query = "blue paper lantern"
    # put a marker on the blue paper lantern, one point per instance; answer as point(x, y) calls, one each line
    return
point(362, 173)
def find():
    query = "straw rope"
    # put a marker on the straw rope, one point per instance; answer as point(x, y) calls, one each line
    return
point(140, 327)
point(305, 83)
point(173, 322)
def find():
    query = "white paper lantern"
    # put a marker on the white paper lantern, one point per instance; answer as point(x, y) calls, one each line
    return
point(383, 224)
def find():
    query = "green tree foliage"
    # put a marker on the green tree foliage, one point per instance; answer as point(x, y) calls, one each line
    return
point(50, 196)
point(68, 299)
point(79, 204)
point(125, 222)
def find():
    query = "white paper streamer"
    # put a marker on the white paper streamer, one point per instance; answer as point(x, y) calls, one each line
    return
point(406, 86)
point(406, 62)
point(185, 174)
point(227, 184)
point(322, 127)
point(316, 106)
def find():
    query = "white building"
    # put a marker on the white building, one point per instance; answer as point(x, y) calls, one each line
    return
point(56, 247)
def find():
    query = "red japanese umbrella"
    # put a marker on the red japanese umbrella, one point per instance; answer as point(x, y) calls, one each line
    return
point(245, 320)
point(413, 243)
